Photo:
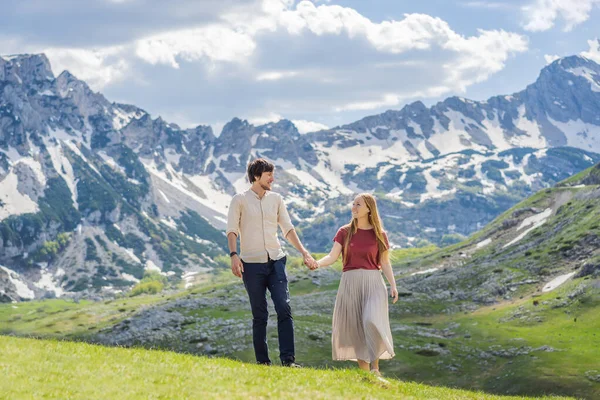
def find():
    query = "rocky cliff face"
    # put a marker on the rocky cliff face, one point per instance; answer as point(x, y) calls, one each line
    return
point(92, 193)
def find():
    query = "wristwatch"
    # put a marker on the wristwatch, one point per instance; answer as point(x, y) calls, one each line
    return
point(233, 253)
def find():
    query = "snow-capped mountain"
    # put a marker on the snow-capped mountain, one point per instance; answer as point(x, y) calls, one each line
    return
point(94, 192)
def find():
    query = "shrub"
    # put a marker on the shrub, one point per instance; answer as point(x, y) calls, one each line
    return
point(153, 276)
point(422, 243)
point(451, 238)
point(152, 287)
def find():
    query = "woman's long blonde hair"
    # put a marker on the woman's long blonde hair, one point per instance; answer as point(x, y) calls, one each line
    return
point(374, 220)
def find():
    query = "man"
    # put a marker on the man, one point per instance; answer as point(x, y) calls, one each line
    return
point(254, 216)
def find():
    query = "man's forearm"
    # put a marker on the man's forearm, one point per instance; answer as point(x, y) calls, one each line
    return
point(232, 242)
point(293, 238)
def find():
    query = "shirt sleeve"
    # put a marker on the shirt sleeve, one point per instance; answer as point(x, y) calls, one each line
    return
point(283, 218)
point(340, 236)
point(233, 216)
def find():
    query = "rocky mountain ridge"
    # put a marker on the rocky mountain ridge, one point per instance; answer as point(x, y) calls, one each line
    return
point(93, 193)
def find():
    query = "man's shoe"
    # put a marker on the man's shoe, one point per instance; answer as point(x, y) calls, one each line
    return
point(291, 364)
point(268, 363)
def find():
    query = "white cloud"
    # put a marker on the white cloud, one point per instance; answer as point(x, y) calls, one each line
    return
point(213, 42)
point(303, 126)
point(478, 57)
point(594, 52)
point(310, 61)
point(414, 32)
point(308, 126)
point(387, 100)
point(275, 75)
point(234, 41)
point(475, 58)
point(542, 14)
point(461, 60)
point(391, 100)
point(182, 120)
point(550, 58)
point(97, 68)
point(265, 119)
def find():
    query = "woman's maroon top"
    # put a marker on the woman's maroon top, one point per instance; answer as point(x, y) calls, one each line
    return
point(363, 251)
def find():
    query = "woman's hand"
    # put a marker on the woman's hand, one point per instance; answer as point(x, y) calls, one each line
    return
point(394, 295)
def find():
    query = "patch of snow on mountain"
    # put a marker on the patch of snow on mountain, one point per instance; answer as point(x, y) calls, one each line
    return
point(535, 220)
point(580, 134)
point(556, 282)
point(123, 118)
point(36, 167)
point(47, 282)
point(533, 137)
point(589, 75)
point(20, 287)
point(496, 133)
point(62, 163)
point(13, 201)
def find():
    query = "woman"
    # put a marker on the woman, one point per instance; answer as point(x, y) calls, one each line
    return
point(361, 327)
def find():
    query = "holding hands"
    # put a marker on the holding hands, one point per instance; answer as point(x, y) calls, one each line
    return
point(309, 261)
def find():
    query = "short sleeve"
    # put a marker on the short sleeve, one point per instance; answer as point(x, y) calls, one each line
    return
point(340, 236)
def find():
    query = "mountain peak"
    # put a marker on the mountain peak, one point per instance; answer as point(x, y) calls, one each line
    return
point(417, 106)
point(66, 75)
point(573, 70)
point(281, 127)
point(26, 59)
point(236, 124)
point(26, 68)
point(568, 63)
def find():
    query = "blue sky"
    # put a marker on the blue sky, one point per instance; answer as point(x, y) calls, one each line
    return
point(319, 63)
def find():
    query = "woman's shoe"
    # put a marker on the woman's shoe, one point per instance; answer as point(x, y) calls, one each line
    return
point(376, 372)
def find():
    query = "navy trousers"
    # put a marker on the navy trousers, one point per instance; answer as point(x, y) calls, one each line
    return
point(258, 277)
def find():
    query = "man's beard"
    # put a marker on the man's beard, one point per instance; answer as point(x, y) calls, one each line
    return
point(265, 187)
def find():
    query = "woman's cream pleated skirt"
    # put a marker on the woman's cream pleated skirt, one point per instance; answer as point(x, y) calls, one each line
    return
point(361, 324)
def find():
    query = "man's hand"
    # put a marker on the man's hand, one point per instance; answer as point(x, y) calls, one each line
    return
point(394, 294)
point(310, 262)
point(236, 266)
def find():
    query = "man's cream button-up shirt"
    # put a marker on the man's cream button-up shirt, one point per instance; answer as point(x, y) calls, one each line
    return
point(255, 221)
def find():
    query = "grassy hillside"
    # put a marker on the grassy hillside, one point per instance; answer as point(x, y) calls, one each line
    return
point(475, 315)
point(507, 348)
point(60, 370)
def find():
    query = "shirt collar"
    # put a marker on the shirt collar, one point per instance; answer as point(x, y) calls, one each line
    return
point(255, 195)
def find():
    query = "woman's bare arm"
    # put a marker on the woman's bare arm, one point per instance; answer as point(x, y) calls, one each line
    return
point(386, 266)
point(332, 257)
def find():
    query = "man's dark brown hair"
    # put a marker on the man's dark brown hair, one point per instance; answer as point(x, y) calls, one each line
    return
point(257, 167)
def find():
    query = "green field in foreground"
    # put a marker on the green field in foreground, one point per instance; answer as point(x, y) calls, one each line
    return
point(571, 331)
point(50, 369)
